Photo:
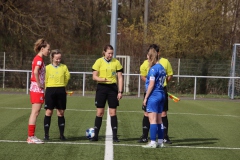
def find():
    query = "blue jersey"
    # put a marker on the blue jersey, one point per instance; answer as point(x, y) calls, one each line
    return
point(156, 98)
point(158, 74)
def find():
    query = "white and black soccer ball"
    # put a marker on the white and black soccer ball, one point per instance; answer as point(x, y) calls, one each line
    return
point(90, 133)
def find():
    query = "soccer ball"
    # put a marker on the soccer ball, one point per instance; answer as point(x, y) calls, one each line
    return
point(90, 133)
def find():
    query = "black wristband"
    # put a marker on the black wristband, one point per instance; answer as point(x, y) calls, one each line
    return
point(120, 92)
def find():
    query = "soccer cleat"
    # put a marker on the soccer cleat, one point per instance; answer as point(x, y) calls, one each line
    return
point(46, 138)
point(34, 140)
point(62, 138)
point(150, 145)
point(160, 145)
point(142, 140)
point(93, 139)
point(167, 140)
point(115, 139)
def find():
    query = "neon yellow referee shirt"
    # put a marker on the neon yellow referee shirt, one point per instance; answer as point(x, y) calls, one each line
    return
point(163, 61)
point(107, 69)
point(56, 76)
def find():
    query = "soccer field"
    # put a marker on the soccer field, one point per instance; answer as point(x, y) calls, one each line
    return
point(200, 129)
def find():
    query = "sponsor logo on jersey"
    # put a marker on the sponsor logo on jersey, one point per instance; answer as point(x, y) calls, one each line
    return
point(39, 63)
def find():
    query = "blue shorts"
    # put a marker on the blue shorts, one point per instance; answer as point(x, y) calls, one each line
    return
point(155, 102)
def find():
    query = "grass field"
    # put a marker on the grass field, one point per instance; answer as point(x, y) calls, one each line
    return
point(200, 129)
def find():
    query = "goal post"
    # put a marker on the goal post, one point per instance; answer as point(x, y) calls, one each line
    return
point(125, 61)
point(234, 84)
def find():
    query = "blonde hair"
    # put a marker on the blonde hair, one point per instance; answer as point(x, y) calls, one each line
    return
point(152, 57)
point(40, 43)
point(53, 52)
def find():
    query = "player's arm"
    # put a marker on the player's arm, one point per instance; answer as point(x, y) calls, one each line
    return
point(143, 78)
point(144, 71)
point(169, 72)
point(120, 85)
point(97, 78)
point(149, 90)
point(46, 77)
point(67, 76)
point(169, 77)
point(36, 74)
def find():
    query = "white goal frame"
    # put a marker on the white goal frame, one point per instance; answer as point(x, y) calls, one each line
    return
point(231, 84)
point(125, 61)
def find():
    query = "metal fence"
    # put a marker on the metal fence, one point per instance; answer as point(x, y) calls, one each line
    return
point(81, 82)
point(14, 72)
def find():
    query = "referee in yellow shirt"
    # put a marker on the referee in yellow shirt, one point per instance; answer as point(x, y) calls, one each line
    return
point(56, 79)
point(107, 71)
point(145, 122)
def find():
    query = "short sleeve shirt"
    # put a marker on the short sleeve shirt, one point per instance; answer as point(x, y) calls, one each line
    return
point(37, 61)
point(107, 69)
point(163, 61)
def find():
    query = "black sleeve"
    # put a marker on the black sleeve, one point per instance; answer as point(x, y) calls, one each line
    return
point(121, 70)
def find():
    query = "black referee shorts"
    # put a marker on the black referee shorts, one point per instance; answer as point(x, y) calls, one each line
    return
point(106, 92)
point(165, 107)
point(55, 97)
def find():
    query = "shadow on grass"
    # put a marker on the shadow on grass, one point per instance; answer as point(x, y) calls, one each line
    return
point(80, 138)
point(193, 141)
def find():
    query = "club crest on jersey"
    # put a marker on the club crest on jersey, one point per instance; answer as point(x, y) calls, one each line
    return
point(39, 63)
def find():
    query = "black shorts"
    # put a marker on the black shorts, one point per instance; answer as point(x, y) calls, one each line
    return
point(55, 97)
point(165, 107)
point(106, 92)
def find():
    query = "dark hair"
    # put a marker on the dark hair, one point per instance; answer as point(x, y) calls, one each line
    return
point(154, 46)
point(106, 48)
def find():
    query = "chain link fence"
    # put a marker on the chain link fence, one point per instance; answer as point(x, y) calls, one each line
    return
point(83, 63)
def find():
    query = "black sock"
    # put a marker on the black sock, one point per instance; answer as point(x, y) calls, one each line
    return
point(97, 125)
point(114, 124)
point(165, 124)
point(47, 122)
point(145, 126)
point(61, 125)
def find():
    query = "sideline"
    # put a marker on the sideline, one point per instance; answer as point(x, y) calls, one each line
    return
point(83, 110)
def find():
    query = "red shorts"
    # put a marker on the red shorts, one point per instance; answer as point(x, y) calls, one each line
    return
point(36, 97)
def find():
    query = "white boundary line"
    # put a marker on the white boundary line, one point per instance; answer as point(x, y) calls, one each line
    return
point(125, 145)
point(82, 110)
point(108, 140)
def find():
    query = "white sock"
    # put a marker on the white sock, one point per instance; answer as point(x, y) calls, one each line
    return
point(160, 140)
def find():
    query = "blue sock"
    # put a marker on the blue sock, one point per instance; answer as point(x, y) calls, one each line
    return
point(160, 131)
point(153, 131)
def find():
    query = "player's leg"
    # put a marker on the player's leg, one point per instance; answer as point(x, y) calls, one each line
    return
point(37, 99)
point(153, 130)
point(98, 122)
point(113, 103)
point(50, 103)
point(160, 131)
point(165, 118)
point(61, 105)
point(152, 109)
point(61, 123)
point(47, 123)
point(145, 125)
point(100, 101)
